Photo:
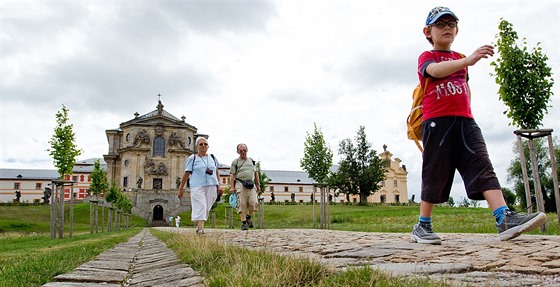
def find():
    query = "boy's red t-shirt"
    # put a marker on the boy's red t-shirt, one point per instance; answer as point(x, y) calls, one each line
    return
point(448, 96)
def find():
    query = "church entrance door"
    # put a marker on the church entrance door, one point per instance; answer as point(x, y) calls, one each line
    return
point(158, 212)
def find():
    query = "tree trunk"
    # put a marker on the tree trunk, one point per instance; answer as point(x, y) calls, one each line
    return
point(61, 213)
point(110, 219)
point(54, 215)
point(537, 180)
point(525, 174)
point(103, 217)
point(554, 177)
point(96, 215)
point(71, 210)
point(90, 216)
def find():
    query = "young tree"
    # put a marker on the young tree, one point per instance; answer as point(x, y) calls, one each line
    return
point(99, 182)
point(317, 156)
point(113, 193)
point(525, 87)
point(63, 148)
point(97, 186)
point(510, 198)
point(64, 152)
point(360, 169)
point(525, 79)
point(263, 179)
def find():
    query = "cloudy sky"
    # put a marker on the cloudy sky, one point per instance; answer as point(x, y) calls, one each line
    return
point(259, 72)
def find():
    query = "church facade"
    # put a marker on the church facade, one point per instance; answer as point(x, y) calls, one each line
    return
point(146, 158)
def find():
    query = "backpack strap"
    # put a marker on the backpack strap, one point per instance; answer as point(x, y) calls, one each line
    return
point(213, 157)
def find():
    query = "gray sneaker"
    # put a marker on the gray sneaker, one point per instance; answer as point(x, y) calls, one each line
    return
point(514, 224)
point(423, 233)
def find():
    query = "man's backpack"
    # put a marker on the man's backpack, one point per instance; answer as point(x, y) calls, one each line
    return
point(414, 120)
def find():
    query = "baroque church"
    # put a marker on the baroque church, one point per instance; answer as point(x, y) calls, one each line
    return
point(146, 158)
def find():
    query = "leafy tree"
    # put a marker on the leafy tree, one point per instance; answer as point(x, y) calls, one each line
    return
point(542, 155)
point(99, 182)
point(510, 197)
point(63, 149)
point(360, 169)
point(465, 202)
point(475, 203)
point(263, 179)
point(451, 201)
point(113, 193)
point(525, 79)
point(124, 203)
point(118, 199)
point(317, 156)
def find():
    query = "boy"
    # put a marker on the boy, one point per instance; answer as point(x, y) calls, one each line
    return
point(452, 140)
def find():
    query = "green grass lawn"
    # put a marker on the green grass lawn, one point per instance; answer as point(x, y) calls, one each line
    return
point(28, 257)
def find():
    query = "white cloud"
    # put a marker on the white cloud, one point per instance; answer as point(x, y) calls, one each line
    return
point(287, 64)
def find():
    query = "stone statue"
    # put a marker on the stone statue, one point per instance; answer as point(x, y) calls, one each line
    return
point(139, 182)
point(178, 182)
point(159, 106)
point(157, 185)
point(162, 169)
point(174, 138)
point(142, 137)
point(46, 195)
point(149, 165)
point(293, 197)
point(18, 195)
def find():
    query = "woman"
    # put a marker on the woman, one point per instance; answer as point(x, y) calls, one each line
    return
point(202, 169)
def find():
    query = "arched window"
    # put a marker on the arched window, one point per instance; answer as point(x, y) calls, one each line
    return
point(159, 146)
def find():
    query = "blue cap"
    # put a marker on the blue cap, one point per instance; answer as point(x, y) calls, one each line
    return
point(437, 12)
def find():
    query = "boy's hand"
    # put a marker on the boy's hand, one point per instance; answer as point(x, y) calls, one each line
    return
point(482, 52)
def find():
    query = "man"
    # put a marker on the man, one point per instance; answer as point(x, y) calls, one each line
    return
point(244, 180)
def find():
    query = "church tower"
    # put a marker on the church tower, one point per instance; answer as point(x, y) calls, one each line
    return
point(146, 158)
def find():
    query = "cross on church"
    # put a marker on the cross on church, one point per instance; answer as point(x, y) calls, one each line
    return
point(159, 97)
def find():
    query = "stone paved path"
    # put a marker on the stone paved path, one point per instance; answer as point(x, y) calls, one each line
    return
point(474, 259)
point(462, 259)
point(141, 261)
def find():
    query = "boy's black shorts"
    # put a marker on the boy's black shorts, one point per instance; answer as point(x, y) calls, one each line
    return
point(455, 143)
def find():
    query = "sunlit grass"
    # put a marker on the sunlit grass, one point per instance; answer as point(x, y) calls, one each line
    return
point(33, 260)
point(228, 265)
point(29, 258)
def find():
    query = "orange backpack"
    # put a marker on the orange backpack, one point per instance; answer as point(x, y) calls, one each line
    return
point(414, 120)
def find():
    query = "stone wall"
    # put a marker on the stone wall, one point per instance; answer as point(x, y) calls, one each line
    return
point(145, 203)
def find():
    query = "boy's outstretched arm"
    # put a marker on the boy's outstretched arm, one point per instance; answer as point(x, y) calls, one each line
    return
point(446, 68)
